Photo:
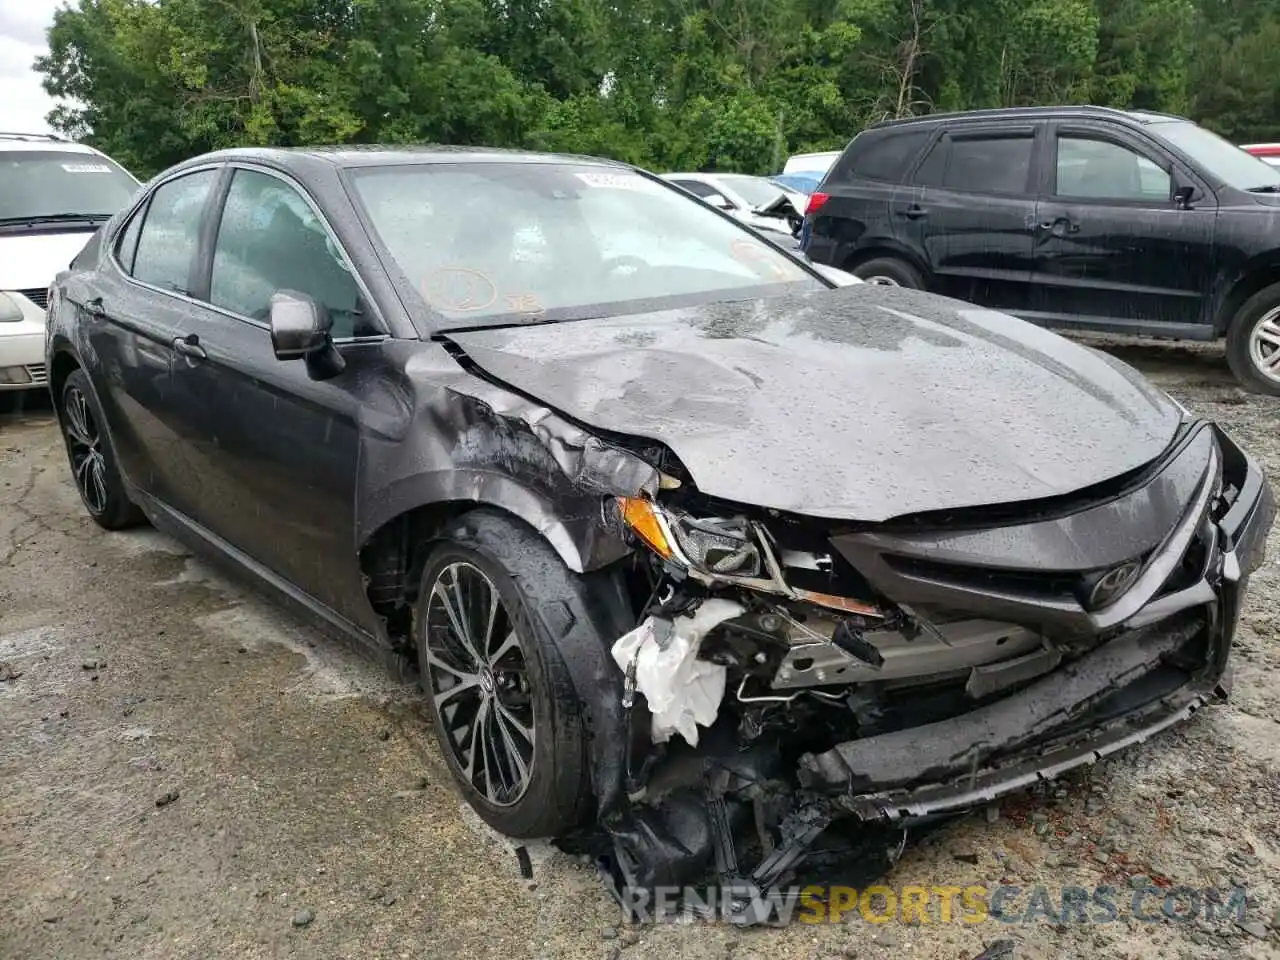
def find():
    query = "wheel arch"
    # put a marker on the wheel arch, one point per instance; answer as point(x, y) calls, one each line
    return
point(62, 361)
point(392, 533)
point(1254, 276)
point(885, 247)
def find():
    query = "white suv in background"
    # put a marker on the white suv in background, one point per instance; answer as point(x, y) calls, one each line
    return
point(53, 196)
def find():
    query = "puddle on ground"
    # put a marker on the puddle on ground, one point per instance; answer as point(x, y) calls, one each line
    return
point(331, 672)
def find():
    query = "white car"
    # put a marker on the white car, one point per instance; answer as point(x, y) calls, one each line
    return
point(53, 196)
point(818, 163)
point(743, 196)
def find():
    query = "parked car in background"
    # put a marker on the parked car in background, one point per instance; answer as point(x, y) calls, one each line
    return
point(1266, 152)
point(1075, 217)
point(661, 514)
point(53, 196)
point(818, 163)
point(799, 183)
point(753, 200)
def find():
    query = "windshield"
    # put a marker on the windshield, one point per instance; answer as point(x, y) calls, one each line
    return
point(757, 191)
point(60, 183)
point(538, 241)
point(1220, 157)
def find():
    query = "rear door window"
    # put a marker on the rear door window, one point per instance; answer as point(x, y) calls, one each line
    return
point(171, 232)
point(992, 164)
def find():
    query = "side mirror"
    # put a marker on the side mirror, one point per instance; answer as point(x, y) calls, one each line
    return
point(300, 329)
point(718, 200)
point(1185, 196)
point(299, 325)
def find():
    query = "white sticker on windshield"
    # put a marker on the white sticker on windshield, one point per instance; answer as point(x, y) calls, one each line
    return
point(86, 168)
point(618, 181)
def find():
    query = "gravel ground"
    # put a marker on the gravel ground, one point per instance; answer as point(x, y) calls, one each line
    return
point(185, 771)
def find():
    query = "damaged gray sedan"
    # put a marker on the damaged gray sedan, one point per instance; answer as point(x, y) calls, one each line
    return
point(710, 566)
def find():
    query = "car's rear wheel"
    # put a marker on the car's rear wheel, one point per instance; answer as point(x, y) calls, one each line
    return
point(93, 460)
point(500, 697)
point(1253, 342)
point(889, 272)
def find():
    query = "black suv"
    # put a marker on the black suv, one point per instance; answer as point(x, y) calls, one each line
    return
point(1079, 217)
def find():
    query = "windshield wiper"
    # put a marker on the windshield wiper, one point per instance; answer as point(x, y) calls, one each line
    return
point(1269, 188)
point(57, 218)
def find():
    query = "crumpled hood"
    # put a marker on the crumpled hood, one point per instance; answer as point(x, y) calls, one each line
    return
point(31, 261)
point(861, 403)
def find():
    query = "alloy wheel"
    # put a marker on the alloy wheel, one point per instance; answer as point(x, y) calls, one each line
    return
point(479, 680)
point(1264, 345)
point(87, 462)
point(881, 280)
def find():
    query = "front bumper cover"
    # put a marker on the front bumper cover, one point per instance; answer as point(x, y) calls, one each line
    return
point(1157, 663)
point(1121, 693)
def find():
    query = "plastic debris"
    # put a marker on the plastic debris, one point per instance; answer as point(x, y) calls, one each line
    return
point(682, 691)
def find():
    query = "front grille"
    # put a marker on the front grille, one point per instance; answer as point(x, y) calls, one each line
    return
point(1027, 583)
point(37, 374)
point(40, 297)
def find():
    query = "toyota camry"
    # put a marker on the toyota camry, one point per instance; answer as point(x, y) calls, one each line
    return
point(706, 560)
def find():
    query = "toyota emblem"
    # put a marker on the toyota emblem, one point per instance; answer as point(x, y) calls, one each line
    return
point(1113, 583)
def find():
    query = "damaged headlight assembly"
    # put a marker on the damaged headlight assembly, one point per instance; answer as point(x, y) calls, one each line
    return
point(719, 551)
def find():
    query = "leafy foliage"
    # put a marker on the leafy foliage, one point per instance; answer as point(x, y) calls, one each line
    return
point(688, 84)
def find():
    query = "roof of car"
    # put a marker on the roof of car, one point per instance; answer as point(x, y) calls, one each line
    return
point(366, 155)
point(41, 141)
point(1023, 113)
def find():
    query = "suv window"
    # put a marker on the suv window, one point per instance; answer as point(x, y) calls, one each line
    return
point(171, 231)
point(988, 164)
point(269, 240)
point(1103, 170)
point(890, 156)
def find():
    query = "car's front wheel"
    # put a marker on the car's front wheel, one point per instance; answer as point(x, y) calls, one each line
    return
point(504, 708)
point(93, 460)
point(1253, 342)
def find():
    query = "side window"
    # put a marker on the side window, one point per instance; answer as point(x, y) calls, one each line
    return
point(696, 187)
point(890, 157)
point(169, 235)
point(269, 240)
point(933, 168)
point(127, 245)
point(989, 164)
point(1099, 169)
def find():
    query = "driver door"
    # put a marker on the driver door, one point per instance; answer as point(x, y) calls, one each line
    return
point(279, 450)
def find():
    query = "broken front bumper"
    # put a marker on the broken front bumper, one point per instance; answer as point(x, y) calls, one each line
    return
point(1170, 661)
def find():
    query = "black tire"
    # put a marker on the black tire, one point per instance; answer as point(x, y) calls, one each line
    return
point(891, 271)
point(94, 469)
point(1262, 307)
point(526, 572)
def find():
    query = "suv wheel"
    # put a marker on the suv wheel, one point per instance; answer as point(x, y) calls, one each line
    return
point(1253, 342)
point(889, 272)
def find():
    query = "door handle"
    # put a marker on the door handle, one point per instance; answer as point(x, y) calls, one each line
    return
point(1059, 227)
point(915, 212)
point(189, 346)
